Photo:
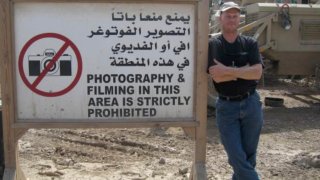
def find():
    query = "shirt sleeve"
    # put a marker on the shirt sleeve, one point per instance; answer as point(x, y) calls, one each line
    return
point(254, 54)
point(211, 53)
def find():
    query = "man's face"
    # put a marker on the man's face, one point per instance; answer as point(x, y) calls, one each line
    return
point(230, 20)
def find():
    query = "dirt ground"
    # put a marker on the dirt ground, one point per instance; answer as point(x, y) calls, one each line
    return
point(289, 147)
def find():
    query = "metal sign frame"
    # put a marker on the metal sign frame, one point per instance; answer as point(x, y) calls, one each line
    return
point(14, 128)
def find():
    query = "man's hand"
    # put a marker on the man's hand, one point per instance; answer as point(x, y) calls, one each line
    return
point(219, 72)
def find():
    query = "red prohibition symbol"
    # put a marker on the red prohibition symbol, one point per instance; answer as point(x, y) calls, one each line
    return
point(33, 86)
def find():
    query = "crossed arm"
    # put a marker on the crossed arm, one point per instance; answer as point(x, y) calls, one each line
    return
point(222, 73)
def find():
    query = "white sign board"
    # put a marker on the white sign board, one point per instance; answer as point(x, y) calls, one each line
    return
point(104, 61)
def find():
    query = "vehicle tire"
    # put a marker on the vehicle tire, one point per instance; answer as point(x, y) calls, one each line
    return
point(273, 101)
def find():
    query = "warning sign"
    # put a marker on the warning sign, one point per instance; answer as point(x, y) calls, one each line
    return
point(105, 61)
point(50, 62)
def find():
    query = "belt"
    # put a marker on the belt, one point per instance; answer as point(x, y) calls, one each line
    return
point(238, 97)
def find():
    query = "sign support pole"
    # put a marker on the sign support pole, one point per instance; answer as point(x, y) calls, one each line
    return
point(10, 135)
point(198, 171)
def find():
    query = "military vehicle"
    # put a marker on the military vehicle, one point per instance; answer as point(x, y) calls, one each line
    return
point(287, 34)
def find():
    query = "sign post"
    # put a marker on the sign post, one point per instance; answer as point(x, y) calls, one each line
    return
point(103, 64)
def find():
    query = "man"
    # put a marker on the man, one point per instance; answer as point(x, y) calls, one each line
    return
point(235, 66)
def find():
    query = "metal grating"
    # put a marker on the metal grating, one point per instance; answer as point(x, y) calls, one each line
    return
point(310, 30)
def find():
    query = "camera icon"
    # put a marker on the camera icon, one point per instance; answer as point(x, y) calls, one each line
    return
point(38, 63)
